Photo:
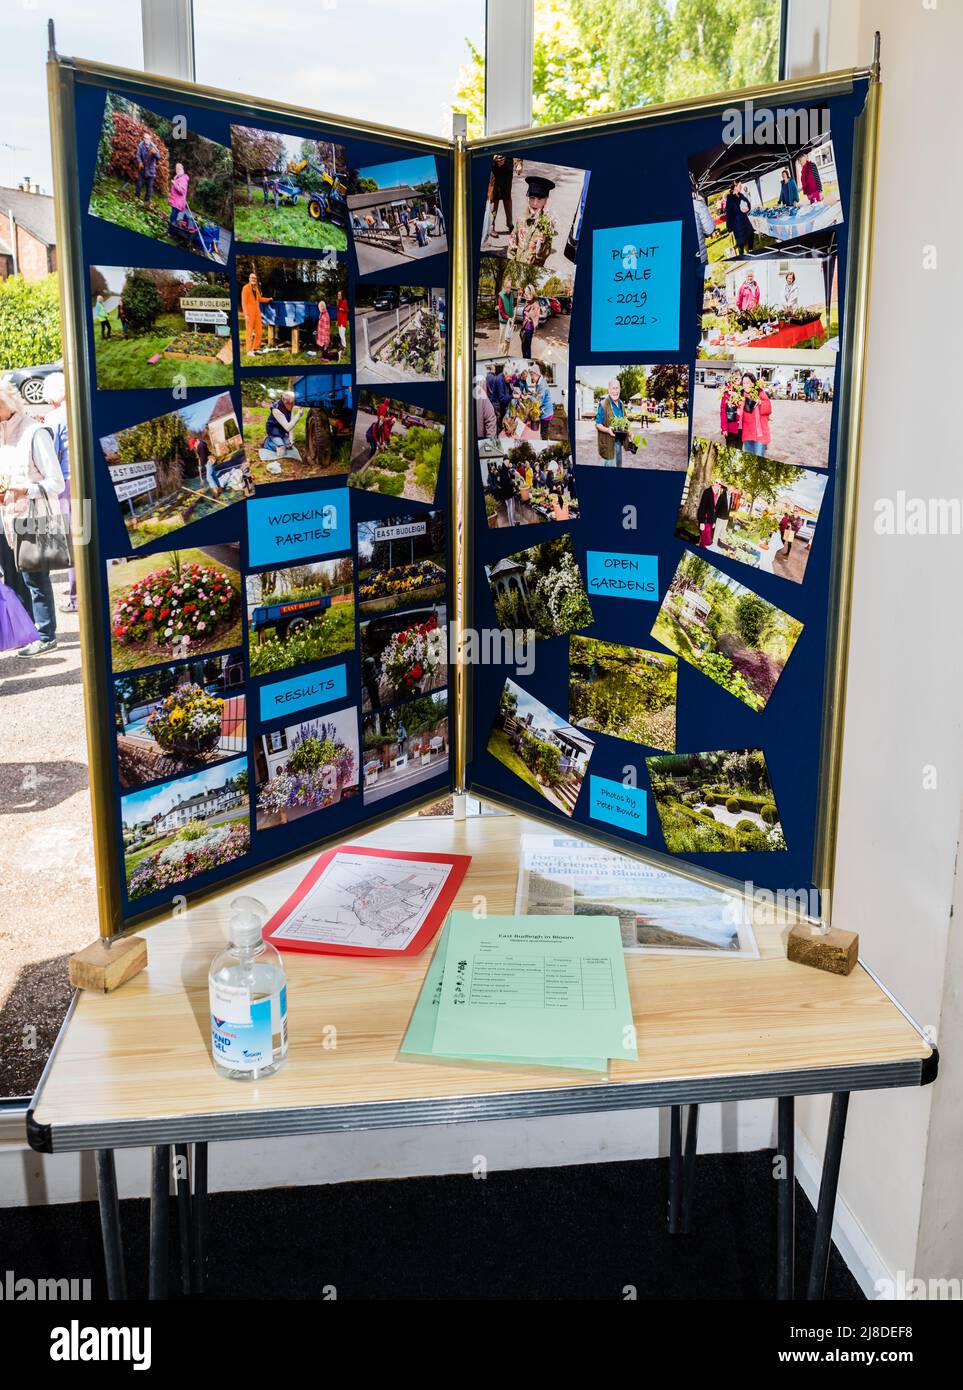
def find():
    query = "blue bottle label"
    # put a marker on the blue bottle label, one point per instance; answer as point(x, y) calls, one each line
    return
point(248, 1046)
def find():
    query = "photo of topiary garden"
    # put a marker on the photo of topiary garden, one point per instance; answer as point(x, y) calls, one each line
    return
point(715, 801)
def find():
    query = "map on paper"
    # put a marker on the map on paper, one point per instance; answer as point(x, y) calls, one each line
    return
point(363, 901)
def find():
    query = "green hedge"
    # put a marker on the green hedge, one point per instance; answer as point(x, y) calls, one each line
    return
point(29, 322)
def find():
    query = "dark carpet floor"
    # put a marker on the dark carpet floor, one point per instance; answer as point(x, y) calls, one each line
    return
point(581, 1232)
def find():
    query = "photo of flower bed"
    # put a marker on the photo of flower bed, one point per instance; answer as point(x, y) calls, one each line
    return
point(306, 767)
point(401, 562)
point(401, 333)
point(540, 590)
point(396, 450)
point(299, 615)
point(179, 603)
point(726, 631)
point(623, 691)
point(403, 655)
point(716, 801)
point(180, 829)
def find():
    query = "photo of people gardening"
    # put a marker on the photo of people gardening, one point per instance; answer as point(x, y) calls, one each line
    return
point(296, 427)
point(522, 311)
point(403, 654)
point(529, 483)
point(401, 333)
point(533, 213)
point(716, 801)
point(177, 468)
point(160, 328)
point(724, 630)
point(404, 746)
point(299, 615)
point(540, 590)
point(396, 450)
point(633, 416)
point(401, 562)
point(306, 767)
point(763, 408)
point(622, 691)
point(289, 190)
point(521, 401)
point(763, 193)
point(540, 747)
point(759, 307)
point(173, 605)
point(177, 830)
point(175, 719)
point(751, 508)
point(175, 190)
point(396, 214)
point(292, 312)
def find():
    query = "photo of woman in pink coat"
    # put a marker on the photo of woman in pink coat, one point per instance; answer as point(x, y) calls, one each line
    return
point(756, 410)
point(177, 196)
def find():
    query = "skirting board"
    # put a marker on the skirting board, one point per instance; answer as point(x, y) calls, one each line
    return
point(862, 1258)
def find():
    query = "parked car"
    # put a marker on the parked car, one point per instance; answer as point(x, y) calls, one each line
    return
point(555, 303)
point(386, 299)
point(547, 309)
point(29, 381)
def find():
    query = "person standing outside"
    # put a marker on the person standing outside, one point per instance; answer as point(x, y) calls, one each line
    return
point(251, 301)
point(756, 410)
point(531, 318)
point(704, 223)
point(790, 294)
point(341, 316)
point(500, 192)
point(533, 235)
point(748, 294)
point(505, 305)
point(538, 387)
point(205, 465)
point(122, 316)
point(323, 335)
point(148, 157)
point(177, 196)
point(788, 191)
point(102, 316)
point(55, 394)
point(610, 411)
point(737, 218)
point(29, 466)
point(730, 413)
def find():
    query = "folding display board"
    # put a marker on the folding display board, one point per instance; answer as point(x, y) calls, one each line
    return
point(583, 400)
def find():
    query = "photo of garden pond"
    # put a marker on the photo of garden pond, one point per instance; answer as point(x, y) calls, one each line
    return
point(401, 562)
point(300, 614)
point(174, 719)
point(296, 426)
point(289, 190)
point(396, 450)
point(177, 830)
point(540, 747)
point(715, 801)
point(540, 590)
point(726, 631)
point(306, 767)
point(405, 745)
point(623, 691)
point(174, 604)
point(177, 468)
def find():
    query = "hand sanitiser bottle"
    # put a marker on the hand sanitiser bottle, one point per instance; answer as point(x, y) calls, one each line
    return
point(249, 1026)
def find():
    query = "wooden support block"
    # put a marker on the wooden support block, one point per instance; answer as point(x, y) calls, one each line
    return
point(295, 341)
point(833, 950)
point(103, 968)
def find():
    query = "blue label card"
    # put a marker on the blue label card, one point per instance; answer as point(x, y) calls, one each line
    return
point(618, 804)
point(302, 692)
point(300, 526)
point(614, 575)
point(636, 280)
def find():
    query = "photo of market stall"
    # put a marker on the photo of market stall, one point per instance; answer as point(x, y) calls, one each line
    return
point(762, 307)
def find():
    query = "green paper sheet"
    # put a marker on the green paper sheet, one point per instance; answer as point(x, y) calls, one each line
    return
point(538, 987)
point(420, 1037)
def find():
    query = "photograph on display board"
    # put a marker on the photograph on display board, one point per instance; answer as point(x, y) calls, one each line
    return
point(756, 308)
point(401, 562)
point(292, 312)
point(160, 328)
point(306, 767)
point(750, 508)
point(633, 416)
point(521, 400)
point(174, 719)
point(540, 590)
point(770, 191)
point(715, 801)
point(528, 483)
point(177, 830)
point(396, 450)
point(400, 330)
point(300, 614)
point(296, 426)
point(784, 410)
point(730, 634)
point(533, 212)
point(626, 692)
point(403, 655)
point(174, 604)
point(396, 214)
point(404, 746)
point(175, 469)
point(522, 311)
point(178, 190)
point(541, 748)
point(289, 190)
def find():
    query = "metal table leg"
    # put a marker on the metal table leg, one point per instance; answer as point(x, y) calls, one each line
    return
point(786, 1200)
point(199, 1215)
point(110, 1224)
point(828, 1183)
point(689, 1166)
point(160, 1216)
point(182, 1182)
point(675, 1168)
